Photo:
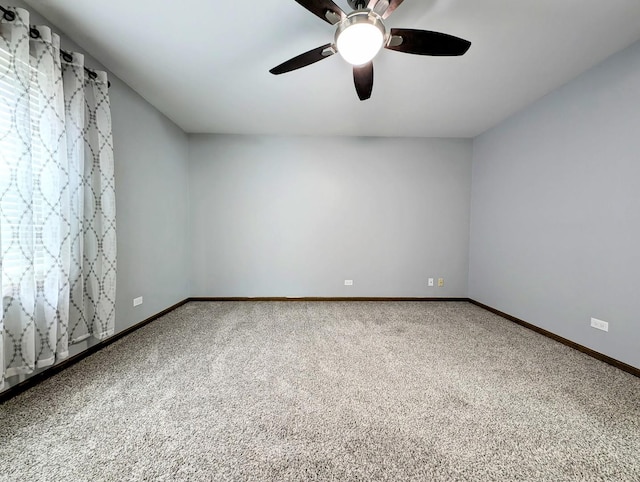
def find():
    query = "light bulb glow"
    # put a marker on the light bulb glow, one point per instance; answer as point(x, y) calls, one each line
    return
point(360, 43)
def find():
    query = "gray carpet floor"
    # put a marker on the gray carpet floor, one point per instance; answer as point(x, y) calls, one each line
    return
point(327, 391)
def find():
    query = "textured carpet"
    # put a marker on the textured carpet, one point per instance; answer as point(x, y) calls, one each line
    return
point(327, 391)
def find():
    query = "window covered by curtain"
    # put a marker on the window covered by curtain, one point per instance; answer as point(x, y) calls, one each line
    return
point(57, 200)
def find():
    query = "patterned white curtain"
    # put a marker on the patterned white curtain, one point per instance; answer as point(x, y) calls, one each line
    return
point(57, 200)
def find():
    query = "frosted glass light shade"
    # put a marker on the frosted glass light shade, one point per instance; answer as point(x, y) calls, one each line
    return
point(360, 43)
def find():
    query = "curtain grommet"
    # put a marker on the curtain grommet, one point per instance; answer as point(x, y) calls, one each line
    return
point(9, 16)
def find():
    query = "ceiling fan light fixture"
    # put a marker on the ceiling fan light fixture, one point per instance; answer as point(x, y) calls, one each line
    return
point(360, 37)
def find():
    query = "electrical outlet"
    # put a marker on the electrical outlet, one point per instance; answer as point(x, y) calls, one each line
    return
point(440, 282)
point(599, 324)
point(348, 282)
point(137, 301)
point(430, 281)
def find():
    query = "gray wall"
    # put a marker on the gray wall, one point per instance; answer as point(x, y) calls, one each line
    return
point(555, 232)
point(285, 216)
point(151, 201)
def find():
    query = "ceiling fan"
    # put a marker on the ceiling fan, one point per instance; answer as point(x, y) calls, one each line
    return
point(361, 34)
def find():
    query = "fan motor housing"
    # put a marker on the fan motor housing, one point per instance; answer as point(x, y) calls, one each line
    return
point(362, 16)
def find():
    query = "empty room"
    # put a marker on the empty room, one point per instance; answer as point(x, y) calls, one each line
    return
point(320, 240)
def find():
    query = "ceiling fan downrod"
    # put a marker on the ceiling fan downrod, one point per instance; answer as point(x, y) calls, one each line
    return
point(357, 4)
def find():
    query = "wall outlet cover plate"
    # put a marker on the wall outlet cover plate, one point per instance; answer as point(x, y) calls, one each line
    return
point(599, 324)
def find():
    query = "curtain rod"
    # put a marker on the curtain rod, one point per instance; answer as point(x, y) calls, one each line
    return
point(34, 33)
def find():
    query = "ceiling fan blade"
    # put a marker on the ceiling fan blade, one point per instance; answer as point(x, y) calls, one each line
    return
point(363, 77)
point(321, 7)
point(307, 58)
point(424, 42)
point(393, 4)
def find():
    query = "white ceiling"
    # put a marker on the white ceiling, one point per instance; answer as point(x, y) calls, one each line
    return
point(205, 64)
